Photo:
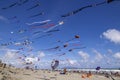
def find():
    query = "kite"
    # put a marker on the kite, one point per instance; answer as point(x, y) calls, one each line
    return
point(65, 45)
point(75, 37)
point(7, 44)
point(58, 41)
point(44, 36)
point(38, 4)
point(50, 31)
point(59, 23)
point(17, 44)
point(82, 8)
point(28, 60)
point(57, 47)
point(14, 17)
point(12, 5)
point(41, 13)
point(75, 11)
point(53, 31)
point(22, 31)
point(53, 48)
point(39, 22)
point(26, 42)
point(62, 54)
point(46, 32)
point(49, 26)
point(75, 48)
point(16, 3)
point(70, 50)
point(46, 26)
point(54, 64)
point(4, 44)
point(109, 1)
point(22, 2)
point(37, 32)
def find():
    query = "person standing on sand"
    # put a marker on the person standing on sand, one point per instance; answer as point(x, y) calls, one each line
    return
point(65, 70)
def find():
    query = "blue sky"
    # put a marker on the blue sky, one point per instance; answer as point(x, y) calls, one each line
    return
point(98, 28)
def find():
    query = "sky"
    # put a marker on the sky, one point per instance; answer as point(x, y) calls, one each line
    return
point(25, 36)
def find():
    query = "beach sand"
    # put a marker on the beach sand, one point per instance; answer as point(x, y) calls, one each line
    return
point(23, 74)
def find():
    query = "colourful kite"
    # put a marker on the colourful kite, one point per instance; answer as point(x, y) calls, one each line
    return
point(54, 64)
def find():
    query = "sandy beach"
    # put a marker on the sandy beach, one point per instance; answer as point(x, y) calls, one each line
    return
point(23, 74)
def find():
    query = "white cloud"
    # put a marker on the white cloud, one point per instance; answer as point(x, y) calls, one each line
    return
point(10, 53)
point(10, 57)
point(84, 55)
point(113, 35)
point(44, 63)
point(107, 59)
point(41, 54)
point(72, 62)
point(68, 63)
point(98, 56)
point(63, 62)
point(117, 55)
